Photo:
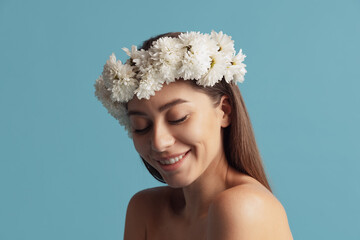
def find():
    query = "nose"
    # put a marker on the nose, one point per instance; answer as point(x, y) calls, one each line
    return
point(162, 138)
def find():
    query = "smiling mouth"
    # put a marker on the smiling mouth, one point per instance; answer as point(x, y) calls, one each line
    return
point(172, 160)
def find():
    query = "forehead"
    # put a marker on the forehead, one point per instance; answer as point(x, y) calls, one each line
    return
point(179, 89)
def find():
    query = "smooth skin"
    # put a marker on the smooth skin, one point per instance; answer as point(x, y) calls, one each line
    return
point(205, 197)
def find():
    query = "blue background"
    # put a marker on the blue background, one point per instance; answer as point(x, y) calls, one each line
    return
point(68, 170)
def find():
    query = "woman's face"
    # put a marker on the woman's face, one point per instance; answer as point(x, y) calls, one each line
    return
point(178, 131)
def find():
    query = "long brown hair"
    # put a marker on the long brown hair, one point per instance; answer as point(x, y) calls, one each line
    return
point(239, 143)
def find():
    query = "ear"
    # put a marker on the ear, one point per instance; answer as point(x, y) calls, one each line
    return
point(225, 108)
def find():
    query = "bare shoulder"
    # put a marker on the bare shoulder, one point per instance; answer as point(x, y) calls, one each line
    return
point(149, 196)
point(140, 208)
point(247, 211)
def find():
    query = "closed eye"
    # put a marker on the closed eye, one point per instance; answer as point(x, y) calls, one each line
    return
point(179, 120)
point(144, 130)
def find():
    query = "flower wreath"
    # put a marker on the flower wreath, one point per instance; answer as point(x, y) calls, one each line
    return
point(205, 58)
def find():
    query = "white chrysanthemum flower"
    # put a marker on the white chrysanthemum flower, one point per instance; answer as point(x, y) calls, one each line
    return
point(226, 45)
point(119, 79)
point(196, 60)
point(236, 71)
point(110, 70)
point(166, 55)
point(127, 51)
point(216, 71)
point(115, 109)
point(149, 84)
point(140, 58)
point(166, 50)
point(123, 89)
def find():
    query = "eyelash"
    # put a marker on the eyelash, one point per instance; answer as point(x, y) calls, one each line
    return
point(179, 120)
point(140, 131)
point(144, 130)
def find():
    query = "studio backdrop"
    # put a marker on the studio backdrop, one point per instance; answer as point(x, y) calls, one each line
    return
point(68, 169)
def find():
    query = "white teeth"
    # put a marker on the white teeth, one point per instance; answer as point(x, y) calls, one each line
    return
point(172, 160)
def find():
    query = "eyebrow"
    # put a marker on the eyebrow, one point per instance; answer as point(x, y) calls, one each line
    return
point(161, 108)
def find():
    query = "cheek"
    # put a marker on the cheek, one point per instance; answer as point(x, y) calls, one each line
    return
point(198, 130)
point(140, 146)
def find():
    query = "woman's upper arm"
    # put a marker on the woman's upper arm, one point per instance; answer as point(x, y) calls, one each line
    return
point(135, 224)
point(247, 214)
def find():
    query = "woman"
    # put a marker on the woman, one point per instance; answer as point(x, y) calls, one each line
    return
point(177, 96)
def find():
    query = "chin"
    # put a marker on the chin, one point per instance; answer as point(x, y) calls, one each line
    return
point(178, 183)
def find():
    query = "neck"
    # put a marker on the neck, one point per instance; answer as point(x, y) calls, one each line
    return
point(199, 195)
